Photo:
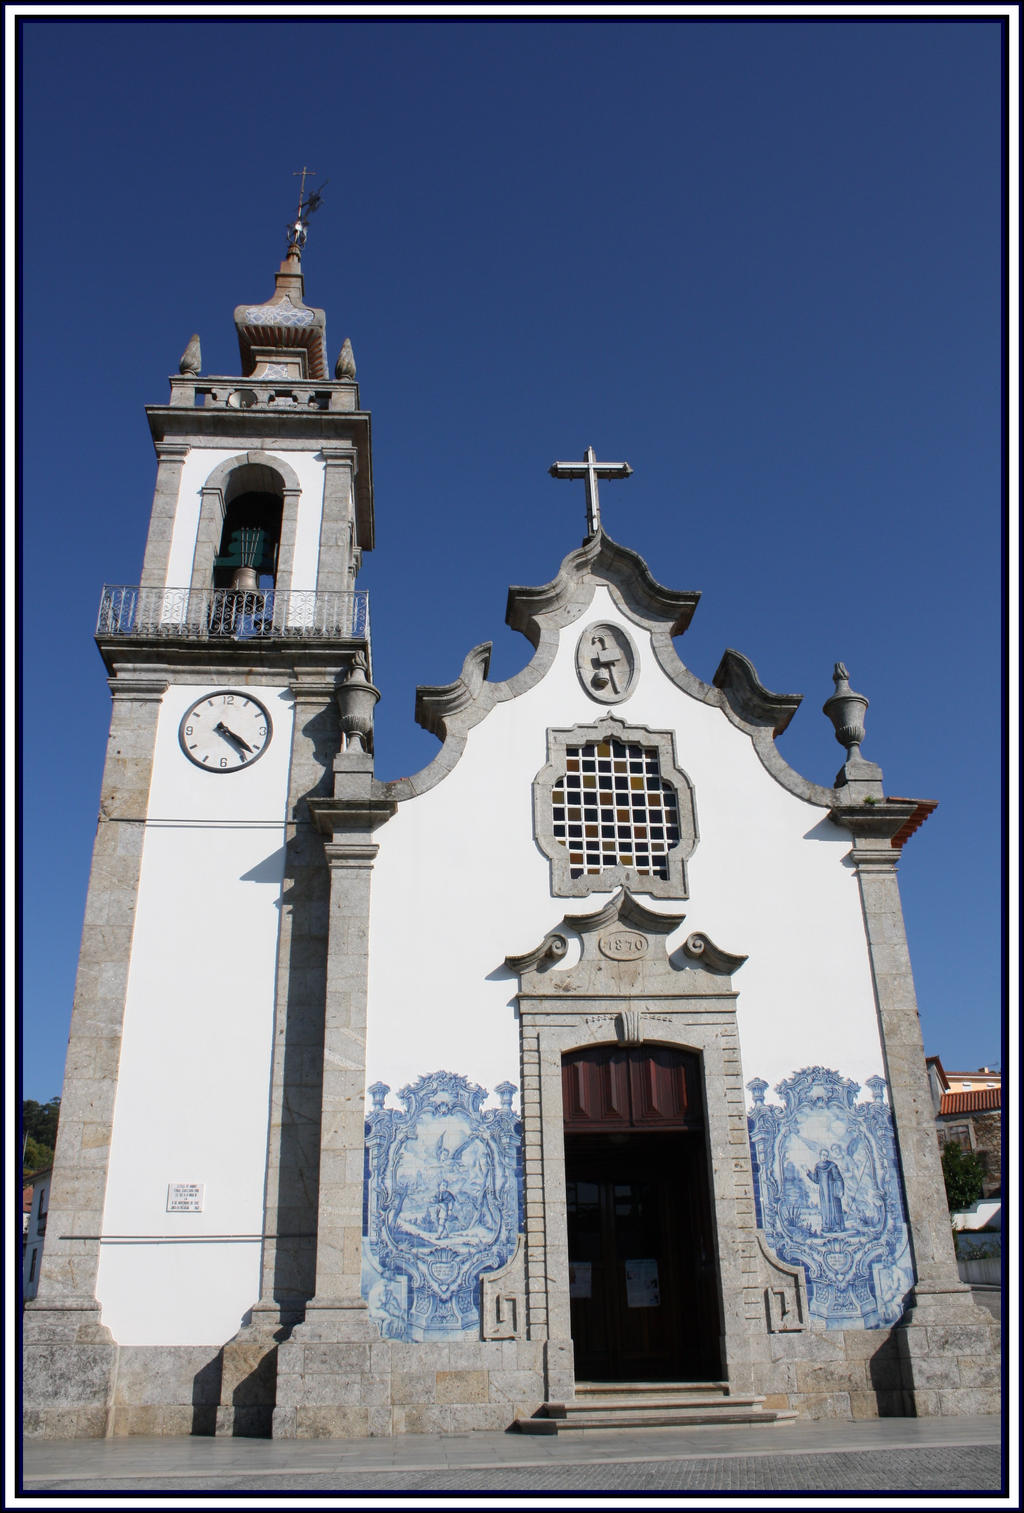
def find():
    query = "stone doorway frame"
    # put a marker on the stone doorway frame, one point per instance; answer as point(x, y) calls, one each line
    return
point(647, 997)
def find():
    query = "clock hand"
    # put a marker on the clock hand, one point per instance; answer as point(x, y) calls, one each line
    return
point(222, 729)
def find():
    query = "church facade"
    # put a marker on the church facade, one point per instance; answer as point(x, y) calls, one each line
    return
point(587, 1057)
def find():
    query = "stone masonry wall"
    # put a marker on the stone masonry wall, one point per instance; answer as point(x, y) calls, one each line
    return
point(868, 1373)
point(388, 1387)
point(378, 1389)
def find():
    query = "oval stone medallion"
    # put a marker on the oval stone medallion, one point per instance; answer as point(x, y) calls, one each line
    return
point(606, 662)
point(623, 945)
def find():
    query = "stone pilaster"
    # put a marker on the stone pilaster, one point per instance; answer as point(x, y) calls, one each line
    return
point(329, 1358)
point(289, 530)
point(248, 1362)
point(339, 554)
point(70, 1357)
point(947, 1345)
point(208, 534)
point(171, 459)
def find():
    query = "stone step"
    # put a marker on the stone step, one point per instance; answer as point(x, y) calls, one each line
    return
point(675, 1419)
point(622, 1403)
point(653, 1418)
point(649, 1405)
point(588, 1389)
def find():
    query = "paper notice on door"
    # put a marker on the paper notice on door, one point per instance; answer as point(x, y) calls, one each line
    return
point(642, 1284)
point(579, 1279)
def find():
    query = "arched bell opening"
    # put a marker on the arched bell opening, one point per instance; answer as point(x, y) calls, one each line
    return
point(251, 534)
point(644, 1295)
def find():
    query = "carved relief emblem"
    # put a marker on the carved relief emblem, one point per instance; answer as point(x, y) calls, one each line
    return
point(606, 662)
point(623, 945)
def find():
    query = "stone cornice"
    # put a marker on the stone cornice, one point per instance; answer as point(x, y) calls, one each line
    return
point(623, 908)
point(343, 819)
point(350, 853)
point(206, 426)
point(600, 560)
point(337, 453)
point(737, 677)
point(268, 662)
point(873, 822)
point(142, 689)
point(312, 688)
point(171, 451)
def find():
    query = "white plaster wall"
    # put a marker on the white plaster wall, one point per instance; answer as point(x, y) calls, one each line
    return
point(310, 470)
point(196, 469)
point(199, 464)
point(194, 1080)
point(459, 883)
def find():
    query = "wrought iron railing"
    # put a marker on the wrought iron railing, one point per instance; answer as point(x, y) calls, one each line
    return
point(235, 614)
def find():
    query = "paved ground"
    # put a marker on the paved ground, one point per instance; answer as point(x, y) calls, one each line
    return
point(896, 1456)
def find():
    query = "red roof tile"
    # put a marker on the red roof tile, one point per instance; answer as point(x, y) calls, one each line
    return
point(971, 1103)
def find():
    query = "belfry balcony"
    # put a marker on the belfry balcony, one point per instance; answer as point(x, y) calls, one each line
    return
point(205, 614)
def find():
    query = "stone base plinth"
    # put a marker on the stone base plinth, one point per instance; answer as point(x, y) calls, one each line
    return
point(943, 1357)
point(349, 1389)
point(949, 1352)
point(70, 1363)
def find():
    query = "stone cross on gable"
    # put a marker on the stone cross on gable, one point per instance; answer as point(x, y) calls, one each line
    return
point(591, 470)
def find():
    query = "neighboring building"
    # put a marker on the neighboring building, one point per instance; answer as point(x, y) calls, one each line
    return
point(588, 1053)
point(35, 1206)
point(968, 1111)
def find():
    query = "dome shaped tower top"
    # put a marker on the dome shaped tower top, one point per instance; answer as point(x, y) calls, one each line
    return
point(285, 337)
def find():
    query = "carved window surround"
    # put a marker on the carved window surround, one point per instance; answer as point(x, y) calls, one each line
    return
point(661, 745)
point(213, 494)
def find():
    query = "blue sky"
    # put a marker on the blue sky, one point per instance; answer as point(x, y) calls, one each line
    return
point(759, 259)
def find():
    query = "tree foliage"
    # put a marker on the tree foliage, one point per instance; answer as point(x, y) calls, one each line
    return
point(39, 1131)
point(964, 1175)
point(36, 1158)
point(39, 1120)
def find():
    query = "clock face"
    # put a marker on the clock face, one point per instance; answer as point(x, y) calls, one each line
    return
point(224, 731)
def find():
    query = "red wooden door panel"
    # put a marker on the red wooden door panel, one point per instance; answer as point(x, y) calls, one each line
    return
point(608, 1087)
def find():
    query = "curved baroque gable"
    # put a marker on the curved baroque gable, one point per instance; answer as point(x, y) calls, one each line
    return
point(451, 710)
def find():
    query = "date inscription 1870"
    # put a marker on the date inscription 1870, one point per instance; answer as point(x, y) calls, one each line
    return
point(623, 945)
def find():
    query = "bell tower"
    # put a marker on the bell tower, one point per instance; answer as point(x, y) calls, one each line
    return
point(188, 1156)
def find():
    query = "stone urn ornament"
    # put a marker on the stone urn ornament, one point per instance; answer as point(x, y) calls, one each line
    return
point(846, 711)
point(357, 699)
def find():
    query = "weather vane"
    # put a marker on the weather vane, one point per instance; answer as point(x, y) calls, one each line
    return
point(297, 229)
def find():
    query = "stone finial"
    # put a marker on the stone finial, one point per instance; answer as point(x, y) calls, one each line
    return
point(345, 367)
point(191, 359)
point(862, 780)
point(506, 1091)
point(876, 1087)
point(846, 711)
point(378, 1091)
point(357, 698)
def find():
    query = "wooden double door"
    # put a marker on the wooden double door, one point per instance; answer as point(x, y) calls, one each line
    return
point(643, 1280)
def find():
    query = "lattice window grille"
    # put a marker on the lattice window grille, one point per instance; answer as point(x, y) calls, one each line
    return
point(612, 808)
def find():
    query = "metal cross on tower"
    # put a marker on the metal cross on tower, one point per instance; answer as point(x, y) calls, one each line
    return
point(591, 470)
point(297, 230)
